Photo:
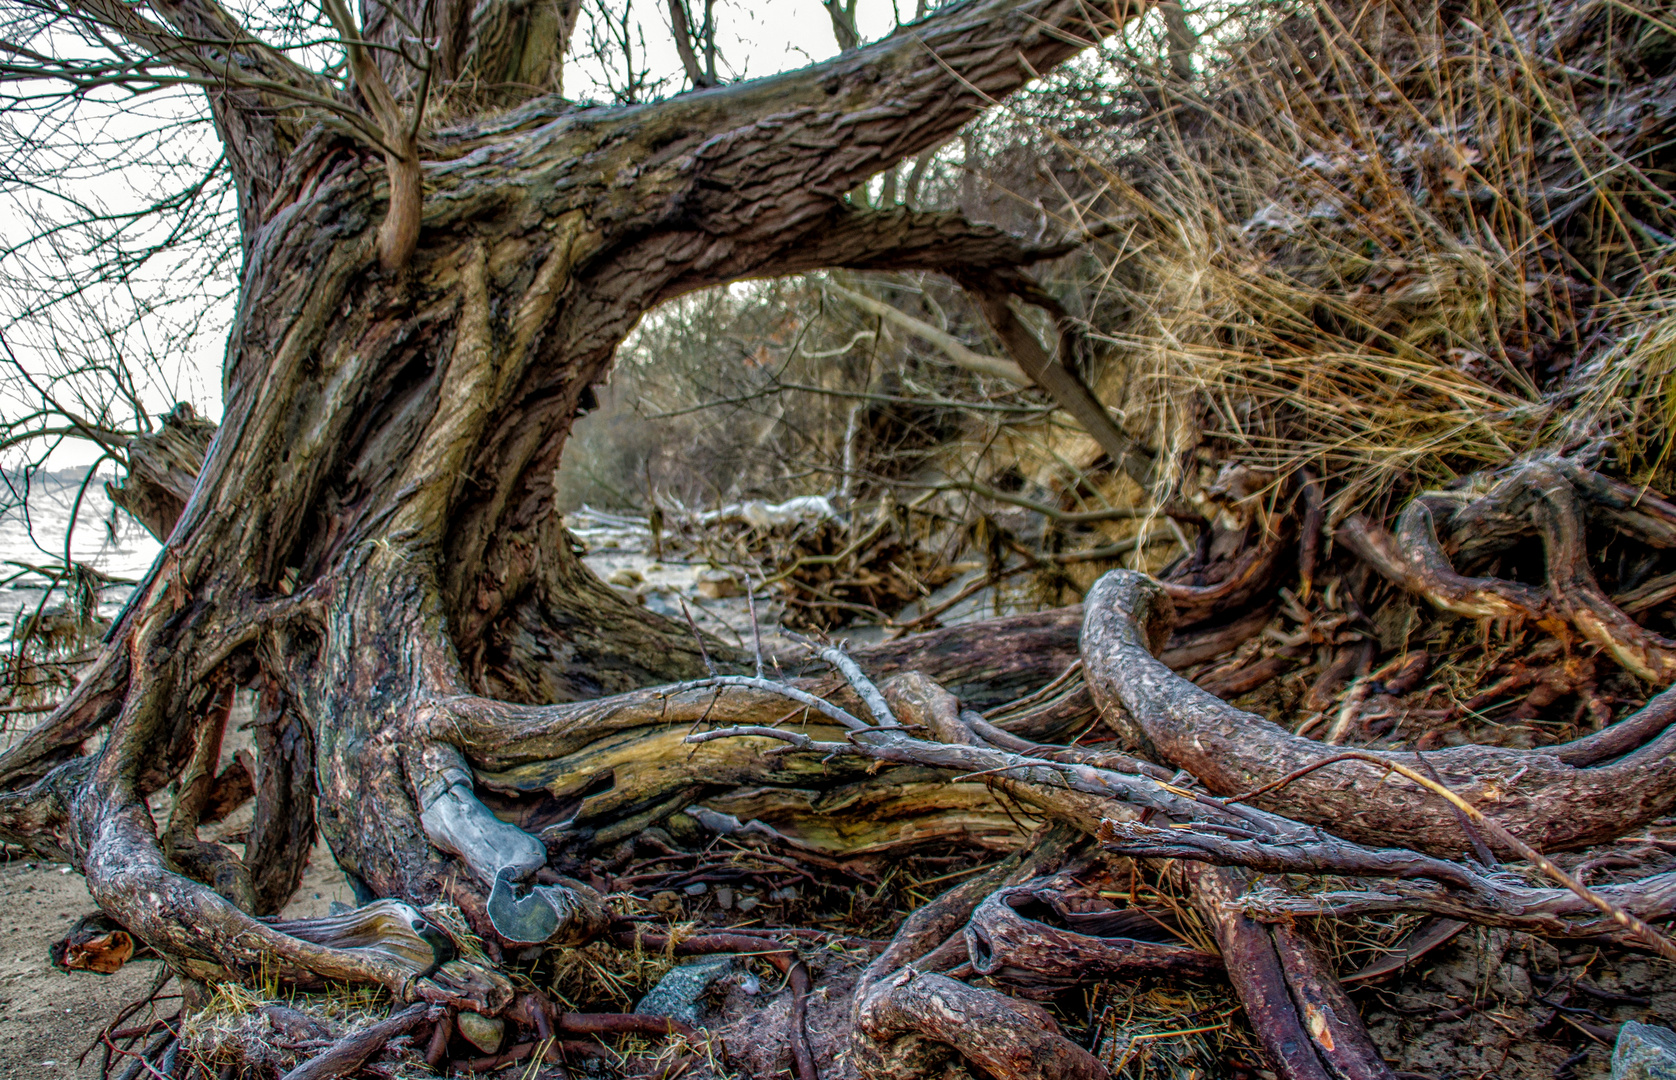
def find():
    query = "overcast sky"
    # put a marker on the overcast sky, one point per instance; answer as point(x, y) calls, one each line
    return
point(753, 39)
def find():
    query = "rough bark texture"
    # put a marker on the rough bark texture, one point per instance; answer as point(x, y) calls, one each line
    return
point(370, 537)
point(458, 705)
point(162, 470)
point(1540, 794)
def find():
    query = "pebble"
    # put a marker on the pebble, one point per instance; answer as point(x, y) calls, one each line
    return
point(724, 898)
point(679, 994)
point(1644, 1052)
point(747, 903)
point(697, 888)
point(483, 1032)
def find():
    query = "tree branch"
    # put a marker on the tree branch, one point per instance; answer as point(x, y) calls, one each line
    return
point(835, 124)
point(1051, 373)
point(262, 101)
point(951, 346)
point(681, 24)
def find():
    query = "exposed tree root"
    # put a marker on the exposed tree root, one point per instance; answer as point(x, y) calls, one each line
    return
point(1549, 497)
point(524, 797)
point(1006, 944)
point(1537, 794)
point(347, 1056)
point(910, 1018)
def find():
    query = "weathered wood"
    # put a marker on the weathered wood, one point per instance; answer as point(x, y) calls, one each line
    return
point(371, 531)
point(162, 469)
point(282, 830)
point(1557, 913)
point(909, 1020)
point(351, 1052)
point(1539, 497)
point(1012, 947)
point(1062, 382)
point(1254, 968)
point(1330, 1017)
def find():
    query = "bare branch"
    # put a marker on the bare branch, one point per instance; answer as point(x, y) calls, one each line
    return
point(953, 347)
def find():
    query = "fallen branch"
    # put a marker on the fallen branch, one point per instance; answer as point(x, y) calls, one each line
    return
point(352, 1051)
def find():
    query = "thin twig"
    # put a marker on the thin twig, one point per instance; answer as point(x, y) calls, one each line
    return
point(858, 680)
point(698, 637)
point(821, 705)
point(756, 627)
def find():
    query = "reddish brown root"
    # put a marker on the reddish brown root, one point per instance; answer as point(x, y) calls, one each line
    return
point(1545, 497)
point(1008, 940)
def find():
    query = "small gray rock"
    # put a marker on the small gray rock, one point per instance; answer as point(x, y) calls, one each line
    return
point(695, 889)
point(680, 994)
point(1644, 1052)
point(749, 902)
point(724, 898)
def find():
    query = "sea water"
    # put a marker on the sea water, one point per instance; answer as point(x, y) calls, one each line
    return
point(36, 516)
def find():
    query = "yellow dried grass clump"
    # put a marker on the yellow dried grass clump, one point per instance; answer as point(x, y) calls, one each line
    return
point(1395, 243)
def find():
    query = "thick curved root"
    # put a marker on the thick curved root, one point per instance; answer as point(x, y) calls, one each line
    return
point(391, 944)
point(1536, 794)
point(1008, 945)
point(911, 1022)
point(1547, 497)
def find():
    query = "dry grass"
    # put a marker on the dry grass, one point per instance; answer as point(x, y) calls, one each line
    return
point(231, 1029)
point(593, 975)
point(1394, 243)
point(598, 975)
point(1182, 1031)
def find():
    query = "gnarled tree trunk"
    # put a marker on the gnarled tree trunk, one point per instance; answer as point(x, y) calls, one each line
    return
point(371, 538)
point(460, 706)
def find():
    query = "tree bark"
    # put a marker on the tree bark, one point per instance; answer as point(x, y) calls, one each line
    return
point(371, 537)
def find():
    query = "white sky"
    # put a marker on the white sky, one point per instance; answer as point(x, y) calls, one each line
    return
point(752, 39)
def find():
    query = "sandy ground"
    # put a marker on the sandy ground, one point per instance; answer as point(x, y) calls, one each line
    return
point(48, 1018)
